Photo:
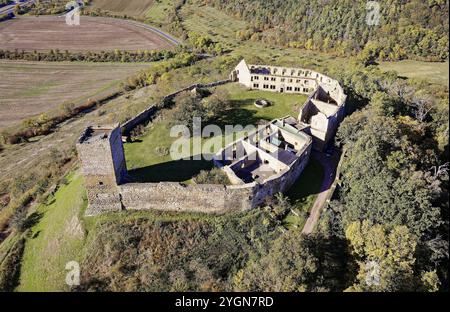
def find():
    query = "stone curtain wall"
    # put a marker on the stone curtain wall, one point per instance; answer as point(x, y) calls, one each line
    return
point(172, 196)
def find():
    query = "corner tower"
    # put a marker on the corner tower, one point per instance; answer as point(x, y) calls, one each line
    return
point(102, 158)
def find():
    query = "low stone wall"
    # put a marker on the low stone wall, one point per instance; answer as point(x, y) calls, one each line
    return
point(140, 118)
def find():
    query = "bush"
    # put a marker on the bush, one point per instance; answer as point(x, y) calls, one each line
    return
point(10, 266)
point(18, 220)
point(162, 151)
point(213, 176)
point(209, 109)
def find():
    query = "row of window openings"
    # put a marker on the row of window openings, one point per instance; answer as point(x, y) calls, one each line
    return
point(272, 87)
point(282, 79)
point(284, 71)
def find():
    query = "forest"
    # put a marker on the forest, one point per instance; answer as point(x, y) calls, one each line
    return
point(413, 29)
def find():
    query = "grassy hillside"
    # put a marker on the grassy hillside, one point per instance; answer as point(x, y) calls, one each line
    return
point(137, 251)
point(415, 29)
point(55, 240)
point(146, 250)
point(434, 72)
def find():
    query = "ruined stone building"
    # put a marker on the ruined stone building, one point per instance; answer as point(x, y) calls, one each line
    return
point(321, 113)
point(265, 162)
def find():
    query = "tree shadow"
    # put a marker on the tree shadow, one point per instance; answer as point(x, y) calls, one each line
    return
point(171, 171)
point(309, 183)
point(32, 220)
point(36, 235)
point(238, 114)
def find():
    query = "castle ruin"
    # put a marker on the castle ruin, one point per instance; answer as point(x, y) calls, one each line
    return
point(263, 163)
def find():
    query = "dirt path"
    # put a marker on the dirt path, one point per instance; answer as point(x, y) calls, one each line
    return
point(329, 165)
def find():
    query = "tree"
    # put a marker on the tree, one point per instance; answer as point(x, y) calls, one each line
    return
point(422, 105)
point(188, 107)
point(385, 257)
point(290, 265)
point(394, 187)
point(370, 53)
point(430, 281)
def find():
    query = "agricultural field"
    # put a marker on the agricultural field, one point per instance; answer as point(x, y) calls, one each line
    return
point(32, 88)
point(433, 72)
point(124, 7)
point(154, 11)
point(212, 22)
point(44, 33)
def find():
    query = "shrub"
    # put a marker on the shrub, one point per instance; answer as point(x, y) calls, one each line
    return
point(10, 266)
point(213, 176)
point(162, 151)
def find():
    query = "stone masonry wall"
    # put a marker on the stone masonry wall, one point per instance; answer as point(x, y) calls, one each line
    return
point(171, 196)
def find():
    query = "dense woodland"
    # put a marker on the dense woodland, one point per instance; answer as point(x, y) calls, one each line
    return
point(394, 182)
point(407, 29)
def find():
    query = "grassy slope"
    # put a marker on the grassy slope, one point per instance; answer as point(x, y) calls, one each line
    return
point(434, 72)
point(222, 27)
point(55, 240)
point(158, 11)
point(303, 193)
point(212, 22)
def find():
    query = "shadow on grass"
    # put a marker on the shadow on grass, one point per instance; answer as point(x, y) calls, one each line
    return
point(172, 171)
point(308, 185)
point(239, 114)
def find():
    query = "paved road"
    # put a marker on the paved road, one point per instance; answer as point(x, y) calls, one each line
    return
point(10, 8)
point(156, 30)
point(329, 165)
point(161, 33)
